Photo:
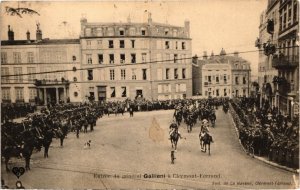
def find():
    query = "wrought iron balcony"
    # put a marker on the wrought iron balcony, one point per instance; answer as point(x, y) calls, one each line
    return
point(51, 82)
point(282, 85)
point(285, 62)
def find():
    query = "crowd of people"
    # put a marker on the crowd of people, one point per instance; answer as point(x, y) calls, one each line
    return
point(267, 132)
point(12, 111)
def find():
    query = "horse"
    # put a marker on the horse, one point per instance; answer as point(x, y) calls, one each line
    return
point(204, 141)
point(22, 147)
point(48, 135)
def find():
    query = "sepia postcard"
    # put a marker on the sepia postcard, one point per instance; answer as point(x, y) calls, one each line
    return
point(152, 94)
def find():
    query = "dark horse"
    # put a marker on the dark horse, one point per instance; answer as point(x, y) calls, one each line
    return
point(48, 135)
point(174, 138)
point(205, 141)
point(22, 149)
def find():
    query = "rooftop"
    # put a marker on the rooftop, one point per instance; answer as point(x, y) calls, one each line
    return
point(40, 42)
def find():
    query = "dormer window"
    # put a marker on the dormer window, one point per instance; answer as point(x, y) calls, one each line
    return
point(143, 32)
point(132, 31)
point(121, 32)
point(110, 31)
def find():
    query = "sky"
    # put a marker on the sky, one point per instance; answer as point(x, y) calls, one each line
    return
point(215, 24)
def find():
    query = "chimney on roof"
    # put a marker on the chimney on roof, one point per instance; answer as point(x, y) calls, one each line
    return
point(222, 53)
point(187, 27)
point(10, 34)
point(212, 55)
point(236, 54)
point(204, 55)
point(149, 18)
point(28, 35)
point(38, 32)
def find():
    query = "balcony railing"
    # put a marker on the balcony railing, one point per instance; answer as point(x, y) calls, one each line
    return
point(51, 82)
point(282, 85)
point(285, 62)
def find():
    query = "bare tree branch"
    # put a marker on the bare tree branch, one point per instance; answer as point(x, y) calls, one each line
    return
point(19, 11)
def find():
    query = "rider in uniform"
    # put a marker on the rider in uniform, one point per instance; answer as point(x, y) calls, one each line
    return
point(174, 127)
point(204, 128)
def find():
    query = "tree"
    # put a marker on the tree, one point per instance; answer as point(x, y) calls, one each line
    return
point(19, 11)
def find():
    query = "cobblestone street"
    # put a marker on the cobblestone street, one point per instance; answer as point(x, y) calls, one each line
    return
point(127, 147)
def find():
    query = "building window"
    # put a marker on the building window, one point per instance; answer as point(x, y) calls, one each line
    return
point(175, 73)
point(112, 74)
point(225, 93)
point(90, 74)
point(209, 79)
point(89, 59)
point(32, 93)
point(295, 18)
point(225, 79)
point(244, 92)
point(122, 32)
point(112, 92)
point(74, 58)
point(122, 58)
point(5, 93)
point(30, 70)
point(144, 56)
point(183, 73)
point(132, 31)
point(133, 58)
point(110, 31)
point(30, 57)
point(176, 45)
point(18, 72)
point(144, 74)
point(124, 93)
point(110, 44)
point(99, 44)
point(143, 32)
point(88, 44)
point(183, 45)
point(4, 71)
point(244, 80)
point(175, 58)
point(3, 57)
point(111, 58)
point(122, 44)
point(123, 74)
point(236, 80)
point(217, 79)
point(167, 73)
point(166, 32)
point(19, 94)
point(100, 58)
point(217, 92)
point(182, 87)
point(167, 45)
point(17, 57)
point(132, 43)
point(133, 74)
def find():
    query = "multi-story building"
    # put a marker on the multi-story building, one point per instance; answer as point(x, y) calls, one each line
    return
point(130, 60)
point(110, 61)
point(287, 59)
point(21, 58)
point(266, 72)
point(279, 70)
point(224, 76)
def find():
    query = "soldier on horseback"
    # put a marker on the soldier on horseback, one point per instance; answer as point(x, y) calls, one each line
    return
point(173, 128)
